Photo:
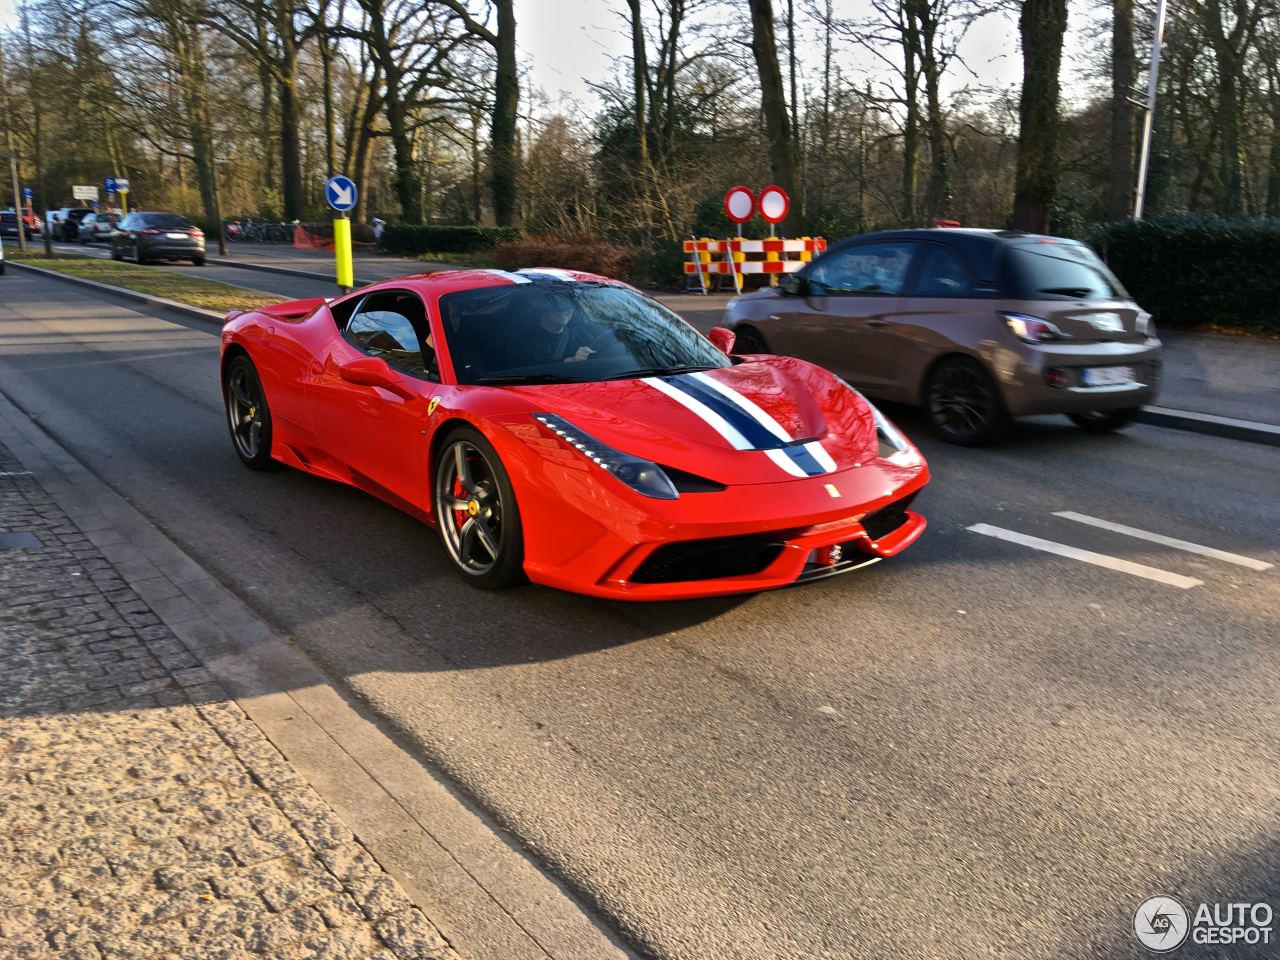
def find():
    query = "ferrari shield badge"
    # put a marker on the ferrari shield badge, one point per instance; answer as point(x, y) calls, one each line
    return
point(431, 407)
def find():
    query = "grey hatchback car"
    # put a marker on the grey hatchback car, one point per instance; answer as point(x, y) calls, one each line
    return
point(976, 326)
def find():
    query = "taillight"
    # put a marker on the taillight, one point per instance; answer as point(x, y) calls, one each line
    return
point(1031, 329)
point(1146, 326)
point(197, 232)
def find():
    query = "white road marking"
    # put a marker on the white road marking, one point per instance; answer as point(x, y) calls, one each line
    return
point(1088, 556)
point(1166, 541)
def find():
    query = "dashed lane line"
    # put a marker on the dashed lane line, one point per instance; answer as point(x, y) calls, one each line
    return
point(1088, 556)
point(1189, 547)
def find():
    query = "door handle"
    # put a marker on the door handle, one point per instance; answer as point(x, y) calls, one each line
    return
point(876, 322)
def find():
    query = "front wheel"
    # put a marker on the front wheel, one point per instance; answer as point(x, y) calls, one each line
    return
point(476, 512)
point(746, 340)
point(963, 403)
point(1104, 421)
point(197, 261)
point(248, 416)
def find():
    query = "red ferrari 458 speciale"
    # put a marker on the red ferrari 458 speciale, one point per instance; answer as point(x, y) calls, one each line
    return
point(564, 427)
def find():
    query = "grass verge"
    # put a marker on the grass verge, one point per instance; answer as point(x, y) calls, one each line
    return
point(153, 281)
point(474, 258)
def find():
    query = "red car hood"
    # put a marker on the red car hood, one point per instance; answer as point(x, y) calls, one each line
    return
point(760, 421)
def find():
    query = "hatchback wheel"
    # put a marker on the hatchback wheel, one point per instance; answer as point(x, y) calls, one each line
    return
point(1104, 421)
point(963, 402)
point(747, 340)
point(476, 512)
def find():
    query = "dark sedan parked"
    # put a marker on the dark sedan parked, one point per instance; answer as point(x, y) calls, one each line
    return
point(157, 236)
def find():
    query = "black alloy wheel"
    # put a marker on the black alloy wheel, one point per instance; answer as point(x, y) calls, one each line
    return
point(476, 512)
point(963, 403)
point(1104, 421)
point(248, 416)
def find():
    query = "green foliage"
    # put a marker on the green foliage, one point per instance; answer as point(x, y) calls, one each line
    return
point(1198, 270)
point(405, 239)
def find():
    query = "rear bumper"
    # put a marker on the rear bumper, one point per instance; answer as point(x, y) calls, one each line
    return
point(1022, 370)
point(793, 523)
point(172, 248)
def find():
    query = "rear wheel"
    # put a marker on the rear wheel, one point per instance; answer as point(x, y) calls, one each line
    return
point(248, 416)
point(749, 340)
point(1104, 421)
point(963, 403)
point(197, 261)
point(476, 512)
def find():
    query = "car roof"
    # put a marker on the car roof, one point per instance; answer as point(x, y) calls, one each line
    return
point(980, 247)
point(440, 282)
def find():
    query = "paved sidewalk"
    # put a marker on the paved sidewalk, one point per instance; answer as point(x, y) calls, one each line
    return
point(142, 813)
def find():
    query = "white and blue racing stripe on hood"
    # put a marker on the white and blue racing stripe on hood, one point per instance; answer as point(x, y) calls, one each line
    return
point(743, 423)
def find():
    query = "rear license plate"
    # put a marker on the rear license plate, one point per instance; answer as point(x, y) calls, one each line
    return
point(1106, 376)
point(178, 236)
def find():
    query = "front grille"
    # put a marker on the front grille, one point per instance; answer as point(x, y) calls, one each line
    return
point(884, 521)
point(712, 559)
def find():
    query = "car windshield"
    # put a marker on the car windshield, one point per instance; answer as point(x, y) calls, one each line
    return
point(1059, 271)
point(167, 221)
point(566, 332)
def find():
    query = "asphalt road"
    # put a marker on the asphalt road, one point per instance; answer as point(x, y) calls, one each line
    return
point(977, 749)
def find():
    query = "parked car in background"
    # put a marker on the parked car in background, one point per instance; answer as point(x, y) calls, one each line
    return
point(98, 226)
point(64, 223)
point(157, 236)
point(976, 326)
point(9, 224)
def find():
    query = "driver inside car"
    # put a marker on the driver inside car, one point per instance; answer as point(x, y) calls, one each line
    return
point(553, 339)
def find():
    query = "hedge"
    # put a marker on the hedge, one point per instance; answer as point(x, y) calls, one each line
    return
point(589, 254)
point(1198, 270)
point(405, 239)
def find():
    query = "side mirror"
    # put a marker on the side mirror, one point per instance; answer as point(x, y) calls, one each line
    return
point(722, 338)
point(794, 285)
point(370, 372)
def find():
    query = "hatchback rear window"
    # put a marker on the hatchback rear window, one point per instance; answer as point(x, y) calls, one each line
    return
point(1059, 271)
point(167, 221)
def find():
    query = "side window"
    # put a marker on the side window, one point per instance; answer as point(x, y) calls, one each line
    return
point(392, 324)
point(873, 269)
point(941, 274)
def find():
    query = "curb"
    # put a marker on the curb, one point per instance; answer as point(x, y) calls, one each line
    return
point(485, 894)
point(163, 303)
point(1250, 431)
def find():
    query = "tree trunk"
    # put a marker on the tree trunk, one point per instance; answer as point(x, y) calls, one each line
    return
point(782, 147)
point(938, 194)
point(1042, 25)
point(1273, 161)
point(290, 142)
point(1120, 189)
point(1231, 171)
point(506, 103)
point(910, 129)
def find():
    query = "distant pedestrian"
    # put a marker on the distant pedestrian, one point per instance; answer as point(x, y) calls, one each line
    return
point(378, 224)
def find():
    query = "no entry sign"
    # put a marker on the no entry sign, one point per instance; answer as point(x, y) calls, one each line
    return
point(774, 204)
point(739, 204)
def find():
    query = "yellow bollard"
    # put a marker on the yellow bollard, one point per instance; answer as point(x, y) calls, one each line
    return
point(342, 252)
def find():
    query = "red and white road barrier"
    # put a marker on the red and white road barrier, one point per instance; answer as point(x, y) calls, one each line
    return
point(738, 258)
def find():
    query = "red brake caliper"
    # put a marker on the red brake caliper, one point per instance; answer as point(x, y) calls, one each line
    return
point(459, 516)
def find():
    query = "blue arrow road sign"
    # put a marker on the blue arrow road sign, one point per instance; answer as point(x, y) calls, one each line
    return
point(109, 184)
point(340, 192)
point(27, 194)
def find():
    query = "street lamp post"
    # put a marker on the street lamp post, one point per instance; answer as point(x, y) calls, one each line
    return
point(1157, 39)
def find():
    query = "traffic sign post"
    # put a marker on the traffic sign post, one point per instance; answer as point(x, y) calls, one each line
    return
point(341, 194)
point(85, 191)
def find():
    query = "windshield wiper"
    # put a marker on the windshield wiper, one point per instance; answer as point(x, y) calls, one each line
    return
point(527, 378)
point(662, 371)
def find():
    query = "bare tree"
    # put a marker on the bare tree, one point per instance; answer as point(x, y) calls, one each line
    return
point(773, 100)
point(1123, 67)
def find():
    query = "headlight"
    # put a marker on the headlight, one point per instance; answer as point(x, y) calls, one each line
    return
point(1031, 329)
point(642, 476)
